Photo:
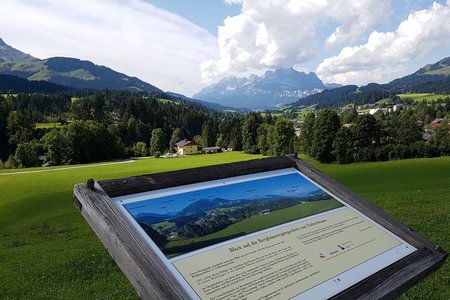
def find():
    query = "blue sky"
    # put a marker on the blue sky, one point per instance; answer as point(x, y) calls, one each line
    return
point(183, 46)
point(208, 14)
point(285, 185)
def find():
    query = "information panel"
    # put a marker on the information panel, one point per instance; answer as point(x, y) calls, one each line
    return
point(270, 235)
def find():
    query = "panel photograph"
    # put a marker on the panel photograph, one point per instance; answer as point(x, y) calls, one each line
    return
point(185, 222)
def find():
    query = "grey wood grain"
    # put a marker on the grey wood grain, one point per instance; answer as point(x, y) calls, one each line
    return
point(148, 275)
point(151, 278)
point(150, 182)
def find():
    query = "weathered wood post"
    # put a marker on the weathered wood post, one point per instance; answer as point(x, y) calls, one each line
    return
point(267, 228)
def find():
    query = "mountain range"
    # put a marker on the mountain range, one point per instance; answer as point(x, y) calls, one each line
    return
point(429, 73)
point(272, 89)
point(23, 73)
point(203, 206)
point(432, 78)
point(66, 71)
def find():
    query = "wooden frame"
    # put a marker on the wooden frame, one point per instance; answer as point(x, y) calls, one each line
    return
point(151, 278)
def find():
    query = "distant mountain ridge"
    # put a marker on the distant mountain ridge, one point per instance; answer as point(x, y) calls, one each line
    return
point(262, 92)
point(75, 73)
point(67, 71)
point(8, 53)
point(72, 73)
point(430, 73)
point(432, 78)
point(210, 105)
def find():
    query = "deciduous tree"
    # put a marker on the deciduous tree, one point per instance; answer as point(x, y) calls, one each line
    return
point(157, 141)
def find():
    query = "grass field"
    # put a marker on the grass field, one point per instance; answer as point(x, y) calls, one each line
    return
point(49, 125)
point(47, 250)
point(385, 101)
point(415, 191)
point(423, 97)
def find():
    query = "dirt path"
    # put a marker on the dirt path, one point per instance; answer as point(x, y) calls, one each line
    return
point(69, 168)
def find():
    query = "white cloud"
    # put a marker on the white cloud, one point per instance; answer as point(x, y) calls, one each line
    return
point(231, 2)
point(356, 19)
point(130, 36)
point(282, 33)
point(382, 58)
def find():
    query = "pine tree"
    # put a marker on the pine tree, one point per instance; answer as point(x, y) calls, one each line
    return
point(343, 148)
point(307, 134)
point(325, 128)
point(250, 133)
point(208, 134)
point(263, 144)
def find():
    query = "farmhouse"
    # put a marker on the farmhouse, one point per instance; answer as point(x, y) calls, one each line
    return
point(186, 147)
point(439, 122)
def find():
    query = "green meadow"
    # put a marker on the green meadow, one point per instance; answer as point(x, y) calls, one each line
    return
point(423, 97)
point(47, 250)
point(48, 125)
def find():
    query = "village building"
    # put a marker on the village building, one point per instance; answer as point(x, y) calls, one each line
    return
point(186, 147)
point(439, 122)
point(210, 150)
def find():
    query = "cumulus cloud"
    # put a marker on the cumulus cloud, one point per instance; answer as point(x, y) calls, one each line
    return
point(130, 36)
point(381, 58)
point(282, 33)
point(356, 19)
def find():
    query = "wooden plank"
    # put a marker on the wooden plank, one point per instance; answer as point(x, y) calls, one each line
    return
point(153, 280)
point(148, 275)
point(150, 182)
point(397, 278)
point(394, 280)
point(362, 205)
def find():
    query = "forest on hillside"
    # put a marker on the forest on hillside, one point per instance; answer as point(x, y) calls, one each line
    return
point(94, 126)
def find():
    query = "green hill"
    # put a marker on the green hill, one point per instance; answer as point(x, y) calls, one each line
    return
point(66, 71)
point(74, 73)
point(438, 71)
point(433, 78)
point(48, 251)
point(13, 85)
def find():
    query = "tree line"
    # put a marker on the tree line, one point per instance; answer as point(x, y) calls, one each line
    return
point(351, 137)
point(95, 126)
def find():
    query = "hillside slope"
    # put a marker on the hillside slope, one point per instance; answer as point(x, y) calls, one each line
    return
point(430, 73)
point(14, 85)
point(432, 78)
point(66, 71)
